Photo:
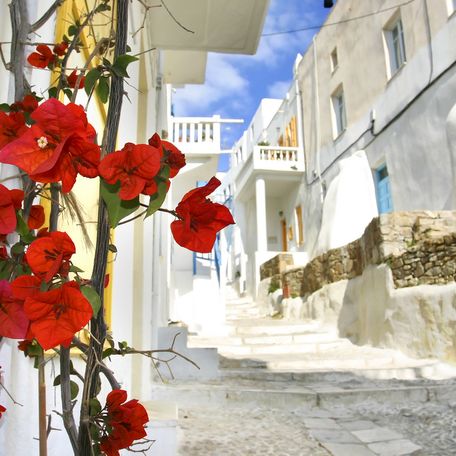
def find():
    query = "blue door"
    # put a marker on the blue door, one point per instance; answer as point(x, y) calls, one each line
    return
point(384, 200)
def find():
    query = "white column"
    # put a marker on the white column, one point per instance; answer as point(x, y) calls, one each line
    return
point(260, 197)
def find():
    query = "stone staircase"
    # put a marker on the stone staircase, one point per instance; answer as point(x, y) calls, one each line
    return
point(293, 366)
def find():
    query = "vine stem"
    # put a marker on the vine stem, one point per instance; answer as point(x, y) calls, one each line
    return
point(98, 324)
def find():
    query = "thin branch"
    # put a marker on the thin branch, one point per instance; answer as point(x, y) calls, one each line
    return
point(174, 18)
point(133, 218)
point(46, 16)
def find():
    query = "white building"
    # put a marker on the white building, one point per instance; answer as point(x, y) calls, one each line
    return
point(152, 278)
point(377, 116)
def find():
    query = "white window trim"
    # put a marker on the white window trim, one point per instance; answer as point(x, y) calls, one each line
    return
point(451, 6)
point(398, 52)
point(338, 112)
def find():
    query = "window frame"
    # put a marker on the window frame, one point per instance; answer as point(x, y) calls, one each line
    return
point(395, 49)
point(338, 112)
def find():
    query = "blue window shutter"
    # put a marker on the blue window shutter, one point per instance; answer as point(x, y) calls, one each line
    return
point(384, 200)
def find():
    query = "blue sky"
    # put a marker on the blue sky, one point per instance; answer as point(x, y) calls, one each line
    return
point(235, 84)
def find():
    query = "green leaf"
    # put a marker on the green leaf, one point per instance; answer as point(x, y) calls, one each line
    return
point(103, 89)
point(68, 93)
point(21, 227)
point(17, 249)
point(5, 107)
point(107, 353)
point(93, 297)
point(95, 407)
point(157, 199)
point(72, 30)
point(74, 268)
point(121, 63)
point(112, 248)
point(91, 78)
point(74, 390)
point(57, 381)
point(52, 92)
point(117, 208)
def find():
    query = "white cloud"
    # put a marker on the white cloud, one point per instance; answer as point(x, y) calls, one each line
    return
point(224, 81)
point(278, 89)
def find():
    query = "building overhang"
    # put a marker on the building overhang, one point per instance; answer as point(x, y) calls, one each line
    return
point(184, 67)
point(232, 26)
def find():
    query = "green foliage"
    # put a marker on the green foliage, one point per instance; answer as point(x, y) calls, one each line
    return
point(274, 285)
point(117, 208)
point(157, 199)
point(119, 67)
point(93, 297)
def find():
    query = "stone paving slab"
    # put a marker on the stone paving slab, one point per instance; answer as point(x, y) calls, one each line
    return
point(377, 434)
point(333, 436)
point(348, 449)
point(356, 425)
point(395, 448)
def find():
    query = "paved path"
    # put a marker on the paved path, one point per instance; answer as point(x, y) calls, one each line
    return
point(296, 389)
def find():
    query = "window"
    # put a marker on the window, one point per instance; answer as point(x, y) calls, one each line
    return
point(334, 60)
point(338, 112)
point(384, 200)
point(395, 46)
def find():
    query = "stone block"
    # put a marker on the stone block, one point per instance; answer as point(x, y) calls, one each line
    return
point(357, 425)
point(347, 449)
point(376, 434)
point(333, 436)
point(395, 448)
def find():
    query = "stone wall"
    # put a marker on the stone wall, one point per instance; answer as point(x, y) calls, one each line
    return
point(419, 247)
point(277, 265)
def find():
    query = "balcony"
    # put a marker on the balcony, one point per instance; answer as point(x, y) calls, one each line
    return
point(280, 166)
point(196, 135)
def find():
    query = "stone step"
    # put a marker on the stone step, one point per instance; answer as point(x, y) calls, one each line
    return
point(272, 328)
point(299, 338)
point(426, 372)
point(354, 359)
point(297, 397)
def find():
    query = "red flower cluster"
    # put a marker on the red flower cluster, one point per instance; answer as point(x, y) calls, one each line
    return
point(200, 219)
point(171, 155)
point(33, 306)
point(44, 57)
point(2, 410)
point(10, 202)
point(125, 423)
point(58, 146)
point(72, 79)
point(50, 255)
point(135, 167)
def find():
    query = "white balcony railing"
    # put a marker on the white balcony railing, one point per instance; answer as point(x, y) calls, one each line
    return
point(196, 134)
point(278, 158)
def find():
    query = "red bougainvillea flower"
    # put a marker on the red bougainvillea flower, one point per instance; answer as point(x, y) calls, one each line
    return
point(135, 167)
point(50, 255)
point(42, 58)
point(57, 315)
point(200, 219)
point(60, 49)
point(12, 126)
point(28, 104)
point(172, 156)
point(10, 202)
point(36, 217)
point(72, 79)
point(13, 320)
point(58, 146)
point(125, 423)
point(2, 410)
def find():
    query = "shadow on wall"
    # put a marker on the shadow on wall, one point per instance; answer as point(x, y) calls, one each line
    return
point(420, 320)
